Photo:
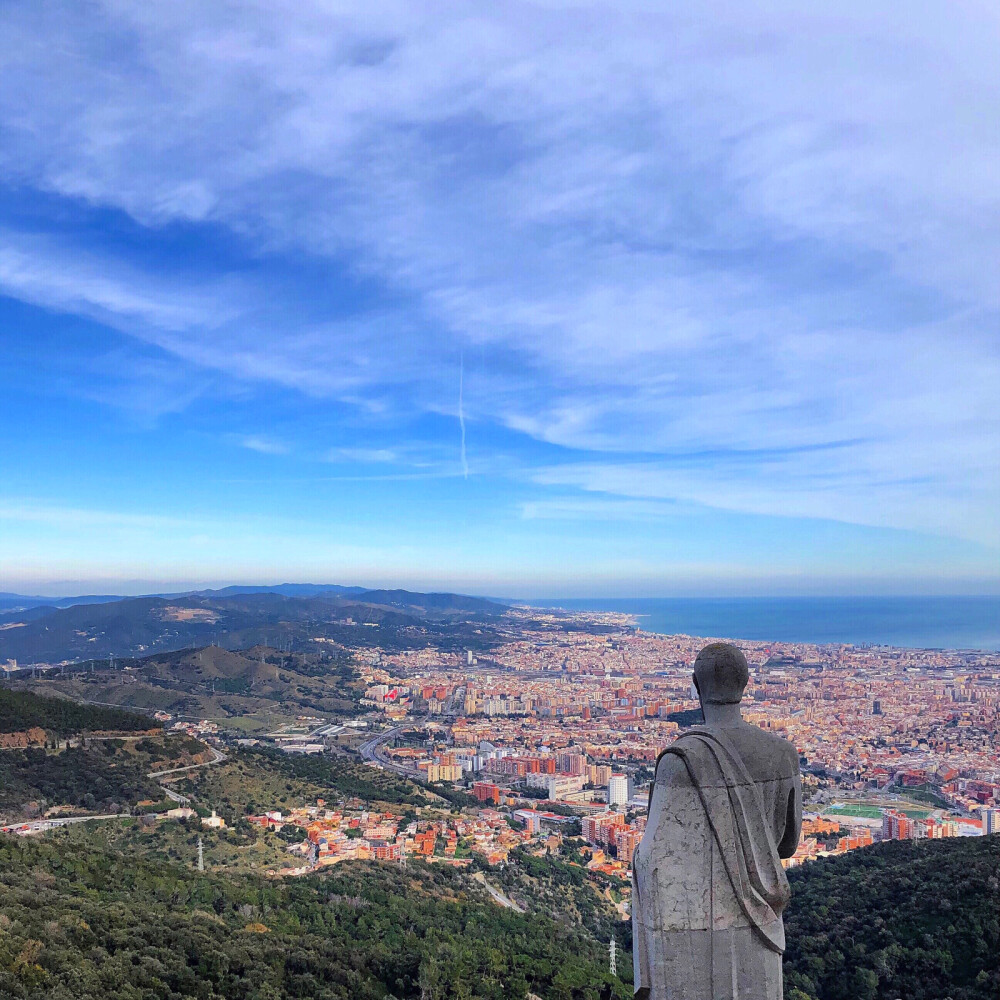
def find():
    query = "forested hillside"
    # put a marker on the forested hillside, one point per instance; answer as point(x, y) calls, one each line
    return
point(86, 925)
point(21, 710)
point(255, 779)
point(211, 682)
point(105, 775)
point(912, 919)
point(138, 626)
point(95, 779)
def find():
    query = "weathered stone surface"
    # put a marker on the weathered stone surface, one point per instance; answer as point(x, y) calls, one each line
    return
point(708, 886)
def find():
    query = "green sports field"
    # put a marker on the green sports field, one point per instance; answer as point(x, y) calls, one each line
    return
point(867, 812)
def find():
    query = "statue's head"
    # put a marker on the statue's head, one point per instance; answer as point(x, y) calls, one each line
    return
point(721, 674)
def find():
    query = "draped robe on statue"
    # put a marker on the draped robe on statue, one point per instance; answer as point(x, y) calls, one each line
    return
point(708, 886)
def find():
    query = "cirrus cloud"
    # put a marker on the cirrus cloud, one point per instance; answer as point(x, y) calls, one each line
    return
point(762, 236)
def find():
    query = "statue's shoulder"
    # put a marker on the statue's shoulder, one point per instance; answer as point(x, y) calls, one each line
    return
point(670, 769)
point(778, 749)
point(785, 746)
point(765, 754)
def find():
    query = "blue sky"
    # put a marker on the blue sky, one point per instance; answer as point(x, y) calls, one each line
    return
point(560, 299)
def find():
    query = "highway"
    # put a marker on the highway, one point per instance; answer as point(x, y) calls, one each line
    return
point(372, 752)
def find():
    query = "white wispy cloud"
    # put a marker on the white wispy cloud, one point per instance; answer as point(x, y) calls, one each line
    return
point(263, 444)
point(41, 271)
point(461, 417)
point(766, 233)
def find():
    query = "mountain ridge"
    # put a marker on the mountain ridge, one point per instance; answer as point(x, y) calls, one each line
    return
point(10, 601)
point(139, 626)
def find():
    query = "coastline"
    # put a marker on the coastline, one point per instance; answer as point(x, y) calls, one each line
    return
point(948, 624)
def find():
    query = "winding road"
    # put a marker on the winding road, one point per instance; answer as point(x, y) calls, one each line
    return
point(183, 800)
point(496, 894)
point(40, 825)
point(217, 759)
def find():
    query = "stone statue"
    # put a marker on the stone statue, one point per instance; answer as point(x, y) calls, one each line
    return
point(708, 886)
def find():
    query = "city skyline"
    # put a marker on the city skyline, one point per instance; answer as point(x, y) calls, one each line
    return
point(538, 301)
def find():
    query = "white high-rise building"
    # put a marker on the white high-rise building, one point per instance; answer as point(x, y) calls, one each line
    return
point(991, 821)
point(617, 790)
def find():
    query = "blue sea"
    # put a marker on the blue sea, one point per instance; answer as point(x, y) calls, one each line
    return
point(915, 622)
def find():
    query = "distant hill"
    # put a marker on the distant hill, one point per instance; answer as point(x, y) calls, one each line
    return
point(448, 603)
point(239, 618)
point(286, 589)
point(22, 602)
point(14, 601)
point(9, 601)
point(257, 665)
point(94, 630)
point(20, 615)
point(213, 682)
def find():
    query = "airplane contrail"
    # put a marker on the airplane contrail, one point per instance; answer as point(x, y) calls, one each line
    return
point(461, 412)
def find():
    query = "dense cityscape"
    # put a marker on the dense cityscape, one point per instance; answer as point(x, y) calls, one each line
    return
point(505, 759)
point(553, 737)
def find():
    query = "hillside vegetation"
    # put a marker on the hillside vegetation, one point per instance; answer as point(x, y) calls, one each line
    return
point(96, 779)
point(22, 710)
point(242, 847)
point(106, 775)
point(253, 779)
point(83, 925)
point(243, 680)
point(117, 911)
point(212, 682)
point(912, 919)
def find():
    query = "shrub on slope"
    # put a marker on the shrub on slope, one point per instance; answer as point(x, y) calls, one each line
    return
point(20, 710)
point(91, 926)
point(913, 919)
